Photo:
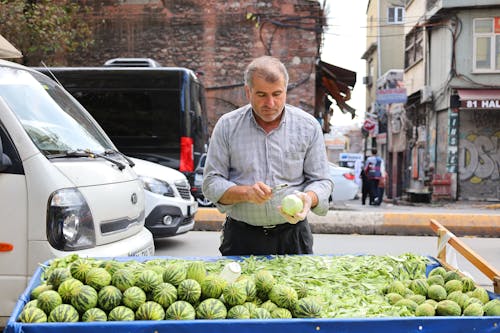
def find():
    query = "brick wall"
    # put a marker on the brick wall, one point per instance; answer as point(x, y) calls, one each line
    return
point(217, 38)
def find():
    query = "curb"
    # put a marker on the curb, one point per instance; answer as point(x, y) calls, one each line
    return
point(379, 223)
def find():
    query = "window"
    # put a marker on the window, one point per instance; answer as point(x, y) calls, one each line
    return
point(414, 50)
point(487, 44)
point(395, 15)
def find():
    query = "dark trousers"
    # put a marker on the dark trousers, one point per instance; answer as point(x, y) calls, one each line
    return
point(240, 238)
point(365, 190)
point(373, 190)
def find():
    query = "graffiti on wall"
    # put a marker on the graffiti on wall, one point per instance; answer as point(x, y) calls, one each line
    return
point(480, 157)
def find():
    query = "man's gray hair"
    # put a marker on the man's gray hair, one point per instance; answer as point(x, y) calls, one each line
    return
point(269, 68)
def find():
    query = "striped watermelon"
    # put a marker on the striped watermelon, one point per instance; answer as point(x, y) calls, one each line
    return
point(147, 280)
point(211, 308)
point(250, 306)
point(48, 300)
point(109, 297)
point(437, 271)
point(180, 310)
point(57, 276)
point(63, 313)
point(134, 297)
point(269, 306)
point(260, 313)
point(468, 284)
point(40, 289)
point(67, 287)
point(33, 303)
point(174, 274)
point(250, 288)
point(235, 294)
point(264, 281)
point(302, 289)
point(79, 268)
point(419, 286)
point(281, 313)
point(121, 313)
point(84, 298)
point(212, 286)
point(32, 314)
point(94, 314)
point(97, 277)
point(283, 296)
point(165, 294)
point(196, 270)
point(189, 290)
point(123, 279)
point(307, 307)
point(238, 312)
point(111, 266)
point(150, 311)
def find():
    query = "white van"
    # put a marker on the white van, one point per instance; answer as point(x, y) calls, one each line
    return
point(64, 188)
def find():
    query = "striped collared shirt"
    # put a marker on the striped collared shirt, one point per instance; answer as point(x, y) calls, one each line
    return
point(242, 153)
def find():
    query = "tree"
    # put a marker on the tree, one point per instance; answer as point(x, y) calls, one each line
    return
point(44, 29)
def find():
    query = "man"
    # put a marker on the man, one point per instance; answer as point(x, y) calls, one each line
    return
point(257, 147)
point(374, 171)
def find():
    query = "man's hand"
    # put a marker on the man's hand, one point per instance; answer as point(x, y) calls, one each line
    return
point(258, 193)
point(307, 202)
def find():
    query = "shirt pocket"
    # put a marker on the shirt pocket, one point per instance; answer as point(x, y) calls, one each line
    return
point(293, 164)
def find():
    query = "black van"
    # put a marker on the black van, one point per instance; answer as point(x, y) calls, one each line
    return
point(153, 113)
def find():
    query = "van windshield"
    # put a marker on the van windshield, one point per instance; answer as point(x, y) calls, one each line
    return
point(53, 119)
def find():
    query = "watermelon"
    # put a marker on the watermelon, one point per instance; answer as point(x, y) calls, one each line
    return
point(94, 314)
point(48, 300)
point(419, 286)
point(451, 275)
point(196, 270)
point(97, 277)
point(32, 314)
point(165, 294)
point(109, 297)
point(33, 303)
point(392, 298)
point(235, 293)
point(39, 289)
point(250, 306)
point(458, 297)
point(79, 268)
point(180, 310)
point(448, 308)
point(189, 290)
point(150, 311)
point(57, 276)
point(283, 296)
point(492, 308)
point(474, 309)
point(260, 313)
point(437, 271)
point(302, 290)
point(134, 297)
point(435, 279)
point(269, 306)
point(281, 313)
point(437, 292)
point(250, 288)
point(63, 313)
point(307, 307)
point(238, 312)
point(425, 310)
point(264, 282)
point(67, 287)
point(211, 308)
point(111, 266)
point(396, 287)
point(84, 298)
point(147, 280)
point(408, 303)
point(481, 294)
point(453, 285)
point(121, 313)
point(468, 284)
point(174, 274)
point(419, 299)
point(212, 286)
point(123, 279)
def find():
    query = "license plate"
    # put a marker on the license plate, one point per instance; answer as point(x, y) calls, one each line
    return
point(143, 253)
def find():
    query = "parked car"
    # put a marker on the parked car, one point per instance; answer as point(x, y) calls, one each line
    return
point(197, 183)
point(170, 207)
point(344, 186)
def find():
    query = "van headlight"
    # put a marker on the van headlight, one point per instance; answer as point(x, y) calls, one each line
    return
point(70, 225)
point(157, 186)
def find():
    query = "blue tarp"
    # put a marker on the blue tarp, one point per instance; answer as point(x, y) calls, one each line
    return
point(341, 325)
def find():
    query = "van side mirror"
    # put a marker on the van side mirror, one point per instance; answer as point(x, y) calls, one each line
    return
point(5, 161)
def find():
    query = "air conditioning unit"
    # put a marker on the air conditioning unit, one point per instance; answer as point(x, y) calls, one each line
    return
point(426, 94)
point(367, 80)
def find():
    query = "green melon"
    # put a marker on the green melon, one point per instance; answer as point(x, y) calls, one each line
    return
point(419, 299)
point(451, 275)
point(94, 314)
point(435, 279)
point(111, 266)
point(431, 302)
point(458, 297)
point(250, 289)
point(79, 268)
point(468, 284)
point(109, 297)
point(196, 270)
point(437, 292)
point(174, 274)
point(31, 303)
point(269, 305)
point(492, 308)
point(180, 310)
point(57, 276)
point(408, 303)
point(481, 294)
point(260, 313)
point(397, 287)
point(438, 271)
point(250, 306)
point(133, 297)
point(121, 313)
point(302, 290)
point(419, 286)
point(32, 315)
point(123, 279)
point(97, 277)
point(67, 288)
point(238, 312)
point(211, 308)
point(283, 296)
point(39, 289)
point(281, 313)
point(235, 293)
point(474, 309)
point(150, 311)
point(189, 290)
point(63, 313)
point(448, 308)
point(48, 300)
point(84, 298)
point(425, 310)
point(212, 286)
point(471, 300)
point(165, 294)
point(453, 285)
point(307, 307)
point(147, 280)
point(264, 282)
point(392, 298)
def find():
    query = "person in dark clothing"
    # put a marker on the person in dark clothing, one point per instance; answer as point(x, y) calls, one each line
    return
point(374, 170)
point(365, 190)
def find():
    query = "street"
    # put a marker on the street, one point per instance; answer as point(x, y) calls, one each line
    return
point(205, 244)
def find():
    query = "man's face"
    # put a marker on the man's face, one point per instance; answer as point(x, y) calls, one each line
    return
point(267, 98)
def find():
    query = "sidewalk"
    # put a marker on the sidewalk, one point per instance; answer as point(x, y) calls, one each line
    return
point(463, 218)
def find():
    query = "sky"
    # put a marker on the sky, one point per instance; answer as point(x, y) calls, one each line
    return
point(344, 44)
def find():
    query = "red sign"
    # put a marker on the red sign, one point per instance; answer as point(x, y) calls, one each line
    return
point(369, 125)
point(497, 25)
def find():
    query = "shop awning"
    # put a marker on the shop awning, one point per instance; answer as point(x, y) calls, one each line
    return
point(479, 98)
point(7, 50)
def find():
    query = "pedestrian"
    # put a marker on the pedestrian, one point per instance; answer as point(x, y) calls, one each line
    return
point(365, 190)
point(257, 147)
point(374, 170)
